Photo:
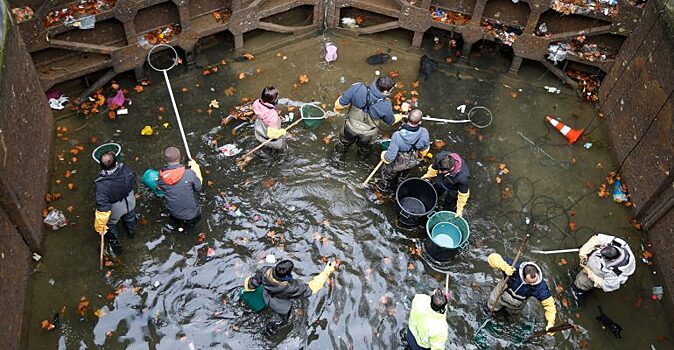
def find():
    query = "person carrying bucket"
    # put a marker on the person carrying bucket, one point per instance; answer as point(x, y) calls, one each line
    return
point(115, 200)
point(451, 175)
point(606, 263)
point(268, 123)
point(407, 145)
point(179, 185)
point(525, 280)
point(368, 106)
point(427, 328)
point(280, 288)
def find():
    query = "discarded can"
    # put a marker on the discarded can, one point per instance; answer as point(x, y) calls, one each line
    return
point(658, 291)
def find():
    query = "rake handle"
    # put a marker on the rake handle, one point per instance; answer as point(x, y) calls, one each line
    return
point(562, 327)
point(268, 141)
point(100, 260)
point(505, 284)
point(374, 171)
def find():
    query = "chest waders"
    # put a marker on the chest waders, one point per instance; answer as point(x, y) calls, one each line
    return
point(360, 121)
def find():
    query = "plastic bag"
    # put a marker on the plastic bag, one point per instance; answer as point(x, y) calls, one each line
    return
point(55, 219)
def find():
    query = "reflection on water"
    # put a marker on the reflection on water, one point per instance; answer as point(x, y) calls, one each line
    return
point(179, 291)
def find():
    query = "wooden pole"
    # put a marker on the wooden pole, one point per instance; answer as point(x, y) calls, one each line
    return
point(268, 141)
point(505, 281)
point(543, 332)
point(100, 262)
point(372, 173)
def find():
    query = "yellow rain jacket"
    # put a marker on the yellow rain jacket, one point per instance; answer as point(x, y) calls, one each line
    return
point(428, 327)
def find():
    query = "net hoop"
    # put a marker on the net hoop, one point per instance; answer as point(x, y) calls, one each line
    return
point(175, 58)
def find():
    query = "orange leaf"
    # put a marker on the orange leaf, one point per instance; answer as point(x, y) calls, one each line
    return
point(415, 85)
point(513, 94)
point(327, 139)
point(242, 76)
point(210, 251)
point(83, 306)
point(209, 183)
point(439, 144)
point(572, 226)
point(448, 60)
point(229, 92)
point(387, 261)
point(112, 115)
point(271, 233)
point(93, 140)
point(410, 267)
point(99, 313)
point(184, 89)
point(393, 74)
point(563, 261)
point(303, 79)
point(498, 180)
point(71, 186)
point(565, 303)
point(138, 88)
point(249, 56)
point(47, 325)
point(205, 72)
point(214, 69)
point(68, 173)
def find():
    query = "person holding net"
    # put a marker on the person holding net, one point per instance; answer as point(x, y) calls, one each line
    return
point(268, 123)
point(407, 146)
point(368, 106)
point(180, 184)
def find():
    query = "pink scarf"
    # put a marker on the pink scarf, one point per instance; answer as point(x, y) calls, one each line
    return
point(458, 162)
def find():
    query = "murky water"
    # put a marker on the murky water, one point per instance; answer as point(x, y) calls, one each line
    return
point(171, 291)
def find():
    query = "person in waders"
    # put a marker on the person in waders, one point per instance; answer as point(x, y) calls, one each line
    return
point(115, 200)
point(606, 263)
point(407, 146)
point(280, 288)
point(526, 280)
point(368, 106)
point(427, 328)
point(452, 176)
point(268, 123)
point(180, 184)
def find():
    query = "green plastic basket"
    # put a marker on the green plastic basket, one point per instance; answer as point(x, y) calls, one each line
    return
point(254, 299)
point(100, 150)
point(312, 115)
point(448, 217)
point(384, 144)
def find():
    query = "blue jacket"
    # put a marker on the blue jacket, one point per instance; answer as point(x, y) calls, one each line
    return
point(517, 287)
point(407, 139)
point(380, 105)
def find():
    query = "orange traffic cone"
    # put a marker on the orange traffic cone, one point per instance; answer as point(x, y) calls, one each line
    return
point(571, 134)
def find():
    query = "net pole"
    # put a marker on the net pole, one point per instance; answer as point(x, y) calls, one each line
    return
point(175, 110)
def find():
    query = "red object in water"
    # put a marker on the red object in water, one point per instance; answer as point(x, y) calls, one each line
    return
point(654, 297)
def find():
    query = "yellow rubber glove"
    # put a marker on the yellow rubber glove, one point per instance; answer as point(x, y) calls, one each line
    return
point(589, 246)
point(246, 286)
point(398, 118)
point(196, 168)
point(461, 201)
point(598, 281)
point(338, 106)
point(496, 261)
point(550, 312)
point(423, 153)
point(147, 130)
point(274, 133)
point(431, 173)
point(383, 157)
point(101, 221)
point(318, 282)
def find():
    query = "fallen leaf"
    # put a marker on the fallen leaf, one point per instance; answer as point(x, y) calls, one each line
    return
point(438, 144)
point(93, 140)
point(70, 209)
point(393, 74)
point(184, 89)
point(572, 212)
point(201, 237)
point(242, 76)
point(327, 139)
point(384, 300)
point(214, 69)
point(108, 334)
point(303, 79)
point(71, 186)
point(565, 303)
point(68, 174)
point(498, 180)
point(47, 325)
point(268, 182)
point(326, 222)
point(513, 94)
point(559, 289)
point(205, 72)
point(83, 306)
point(271, 233)
point(230, 91)
point(572, 226)
point(563, 261)
point(112, 115)
point(249, 56)
point(410, 267)
point(415, 84)
point(209, 183)
point(138, 88)
point(99, 313)
point(387, 261)
point(210, 252)
point(506, 193)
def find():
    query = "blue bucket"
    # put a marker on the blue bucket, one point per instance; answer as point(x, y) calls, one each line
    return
point(150, 178)
point(446, 235)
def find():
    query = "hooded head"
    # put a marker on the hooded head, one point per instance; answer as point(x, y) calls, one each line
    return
point(172, 155)
point(530, 273)
point(283, 269)
point(610, 253)
point(438, 301)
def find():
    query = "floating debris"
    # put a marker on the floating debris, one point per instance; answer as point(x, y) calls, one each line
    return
point(581, 7)
point(222, 16)
point(80, 9)
point(588, 84)
point(579, 48)
point(447, 16)
point(504, 33)
point(22, 14)
point(159, 36)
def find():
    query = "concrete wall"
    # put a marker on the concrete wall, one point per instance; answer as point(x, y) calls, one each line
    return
point(26, 127)
point(637, 104)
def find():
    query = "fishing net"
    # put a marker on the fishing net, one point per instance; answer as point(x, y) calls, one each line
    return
point(312, 115)
point(507, 335)
point(100, 150)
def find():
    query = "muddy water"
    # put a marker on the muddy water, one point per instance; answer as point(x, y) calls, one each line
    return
point(173, 291)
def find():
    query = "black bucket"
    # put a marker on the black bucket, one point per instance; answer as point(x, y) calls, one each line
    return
point(415, 199)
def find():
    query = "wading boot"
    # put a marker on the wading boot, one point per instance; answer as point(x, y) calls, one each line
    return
point(276, 323)
point(113, 240)
point(130, 222)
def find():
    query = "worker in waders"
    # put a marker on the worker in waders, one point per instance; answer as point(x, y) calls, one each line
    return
point(368, 106)
point(428, 329)
point(606, 263)
point(268, 123)
point(280, 288)
point(115, 200)
point(407, 146)
point(526, 281)
point(180, 185)
point(453, 177)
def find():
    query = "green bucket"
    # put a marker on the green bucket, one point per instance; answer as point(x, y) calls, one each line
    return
point(150, 178)
point(254, 299)
point(447, 224)
point(312, 115)
point(100, 150)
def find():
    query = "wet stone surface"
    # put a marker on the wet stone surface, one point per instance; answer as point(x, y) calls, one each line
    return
point(180, 291)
